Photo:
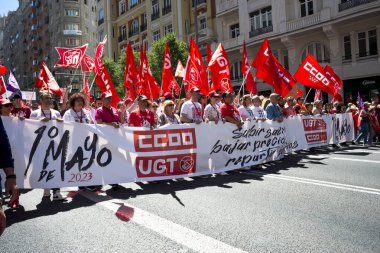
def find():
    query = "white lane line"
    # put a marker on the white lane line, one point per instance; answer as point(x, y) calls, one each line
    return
point(342, 158)
point(359, 151)
point(175, 232)
point(320, 183)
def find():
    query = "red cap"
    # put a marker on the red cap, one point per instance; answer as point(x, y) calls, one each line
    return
point(168, 95)
point(213, 94)
point(106, 95)
point(194, 89)
point(128, 101)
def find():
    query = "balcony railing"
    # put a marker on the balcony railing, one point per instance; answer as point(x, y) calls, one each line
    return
point(226, 5)
point(366, 54)
point(155, 15)
point(166, 10)
point(133, 32)
point(303, 22)
point(100, 21)
point(122, 37)
point(260, 31)
point(199, 2)
point(143, 27)
point(353, 3)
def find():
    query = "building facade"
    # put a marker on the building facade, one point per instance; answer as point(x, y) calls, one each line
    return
point(343, 34)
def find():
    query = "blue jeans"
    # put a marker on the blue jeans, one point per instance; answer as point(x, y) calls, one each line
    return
point(364, 128)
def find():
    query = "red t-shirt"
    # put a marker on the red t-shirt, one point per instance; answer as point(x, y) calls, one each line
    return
point(139, 118)
point(107, 115)
point(21, 112)
point(229, 110)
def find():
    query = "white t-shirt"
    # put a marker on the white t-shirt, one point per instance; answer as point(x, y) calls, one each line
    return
point(50, 114)
point(193, 110)
point(258, 112)
point(245, 112)
point(72, 116)
point(212, 112)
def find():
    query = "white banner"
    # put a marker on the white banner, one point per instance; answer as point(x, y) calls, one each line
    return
point(28, 95)
point(54, 154)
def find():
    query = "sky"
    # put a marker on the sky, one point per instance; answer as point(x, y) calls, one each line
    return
point(8, 5)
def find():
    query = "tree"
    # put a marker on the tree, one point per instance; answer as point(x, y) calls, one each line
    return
point(117, 75)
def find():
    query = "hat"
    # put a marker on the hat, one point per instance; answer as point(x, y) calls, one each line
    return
point(213, 94)
point(168, 95)
point(4, 101)
point(128, 101)
point(300, 98)
point(105, 95)
point(194, 89)
point(15, 95)
point(142, 97)
point(371, 108)
point(225, 94)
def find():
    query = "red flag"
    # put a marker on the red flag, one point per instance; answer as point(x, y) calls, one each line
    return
point(46, 81)
point(86, 89)
point(104, 82)
point(168, 81)
point(271, 71)
point(192, 76)
point(99, 66)
point(197, 61)
point(250, 85)
point(209, 53)
point(70, 57)
point(318, 95)
point(337, 82)
point(147, 84)
point(180, 71)
point(87, 64)
point(130, 74)
point(220, 70)
point(299, 93)
point(3, 70)
point(312, 75)
point(2, 86)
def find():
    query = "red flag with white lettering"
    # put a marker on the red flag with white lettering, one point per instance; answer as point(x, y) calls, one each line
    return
point(99, 55)
point(262, 55)
point(70, 57)
point(46, 81)
point(334, 78)
point(86, 89)
point(168, 81)
point(312, 75)
point(250, 85)
point(197, 61)
point(192, 76)
point(130, 74)
point(180, 71)
point(209, 53)
point(104, 82)
point(220, 70)
point(87, 64)
point(318, 95)
point(147, 84)
point(2, 86)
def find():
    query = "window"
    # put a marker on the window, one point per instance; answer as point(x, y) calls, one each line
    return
point(168, 29)
point(72, 12)
point(319, 51)
point(122, 7)
point(71, 26)
point(133, 3)
point(101, 14)
point(156, 35)
point(202, 23)
point(234, 31)
point(72, 42)
point(367, 43)
point(306, 7)
point(155, 7)
point(347, 47)
point(235, 71)
point(134, 27)
point(123, 31)
point(261, 18)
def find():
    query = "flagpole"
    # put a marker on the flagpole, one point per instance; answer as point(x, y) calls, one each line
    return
point(308, 93)
point(244, 79)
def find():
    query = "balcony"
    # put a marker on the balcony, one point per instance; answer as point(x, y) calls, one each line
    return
point(100, 21)
point(353, 3)
point(155, 15)
point(232, 43)
point(166, 10)
point(366, 55)
point(226, 6)
point(200, 2)
point(260, 31)
point(72, 32)
point(143, 27)
point(132, 33)
point(303, 22)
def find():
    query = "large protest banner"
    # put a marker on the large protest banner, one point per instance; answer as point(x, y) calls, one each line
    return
point(54, 154)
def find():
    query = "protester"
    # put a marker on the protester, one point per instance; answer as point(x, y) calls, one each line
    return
point(142, 117)
point(77, 113)
point(309, 109)
point(300, 106)
point(327, 108)
point(289, 110)
point(229, 111)
point(257, 111)
point(5, 107)
point(363, 126)
point(122, 112)
point(281, 102)
point(245, 110)
point(212, 110)
point(274, 111)
point(374, 125)
point(45, 114)
point(336, 107)
point(35, 106)
point(107, 114)
point(168, 116)
point(318, 107)
point(7, 164)
point(203, 102)
point(191, 111)
point(19, 109)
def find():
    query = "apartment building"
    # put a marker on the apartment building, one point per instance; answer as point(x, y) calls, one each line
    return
point(343, 34)
point(145, 21)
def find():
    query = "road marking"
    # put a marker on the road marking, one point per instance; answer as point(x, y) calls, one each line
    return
point(360, 151)
point(342, 158)
point(319, 183)
point(175, 232)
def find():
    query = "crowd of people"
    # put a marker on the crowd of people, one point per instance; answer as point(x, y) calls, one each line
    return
point(215, 107)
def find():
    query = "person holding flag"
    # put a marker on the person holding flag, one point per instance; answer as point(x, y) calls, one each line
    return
point(107, 114)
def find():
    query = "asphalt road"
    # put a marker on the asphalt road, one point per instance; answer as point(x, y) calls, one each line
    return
point(325, 201)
